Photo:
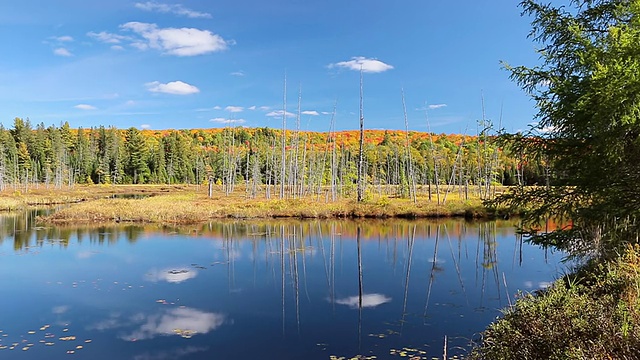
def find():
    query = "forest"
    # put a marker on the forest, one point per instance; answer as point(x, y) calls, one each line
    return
point(290, 163)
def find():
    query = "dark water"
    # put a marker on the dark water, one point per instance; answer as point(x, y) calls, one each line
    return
point(257, 290)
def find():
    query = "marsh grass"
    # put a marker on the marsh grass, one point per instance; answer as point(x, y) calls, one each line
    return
point(190, 204)
point(43, 196)
point(593, 313)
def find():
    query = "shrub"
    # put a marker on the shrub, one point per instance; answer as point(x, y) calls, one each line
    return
point(593, 313)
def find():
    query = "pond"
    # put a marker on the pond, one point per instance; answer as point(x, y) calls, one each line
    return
point(259, 289)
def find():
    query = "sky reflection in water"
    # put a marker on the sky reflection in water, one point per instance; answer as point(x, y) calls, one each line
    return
point(272, 290)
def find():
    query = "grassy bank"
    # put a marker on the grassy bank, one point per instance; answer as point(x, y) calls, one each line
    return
point(593, 313)
point(186, 204)
point(192, 207)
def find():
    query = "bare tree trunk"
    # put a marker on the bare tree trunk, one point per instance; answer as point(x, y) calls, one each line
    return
point(334, 164)
point(295, 164)
point(451, 182)
point(360, 189)
point(411, 178)
point(435, 159)
point(284, 139)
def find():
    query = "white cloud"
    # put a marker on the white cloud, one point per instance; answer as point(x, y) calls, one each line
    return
point(368, 300)
point(536, 127)
point(171, 275)
point(108, 38)
point(252, 108)
point(326, 113)
point(217, 107)
point(145, 126)
point(237, 73)
point(62, 52)
point(437, 106)
point(545, 83)
point(234, 109)
point(65, 38)
point(85, 107)
point(359, 62)
point(310, 112)
point(177, 9)
point(174, 41)
point(279, 113)
point(265, 108)
point(547, 129)
point(227, 121)
point(174, 87)
point(117, 47)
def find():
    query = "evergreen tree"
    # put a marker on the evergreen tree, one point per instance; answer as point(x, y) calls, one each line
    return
point(136, 167)
point(587, 92)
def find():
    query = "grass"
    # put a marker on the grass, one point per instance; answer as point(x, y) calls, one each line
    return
point(11, 199)
point(183, 204)
point(593, 313)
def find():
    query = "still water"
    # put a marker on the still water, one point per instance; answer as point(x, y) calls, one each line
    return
point(258, 290)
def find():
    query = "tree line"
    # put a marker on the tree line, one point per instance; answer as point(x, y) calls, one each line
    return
point(304, 163)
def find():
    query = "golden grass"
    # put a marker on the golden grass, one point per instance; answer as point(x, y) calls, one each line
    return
point(11, 199)
point(189, 204)
point(194, 208)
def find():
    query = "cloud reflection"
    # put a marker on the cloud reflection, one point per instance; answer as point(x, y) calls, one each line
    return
point(85, 254)
point(368, 300)
point(60, 309)
point(175, 320)
point(540, 285)
point(544, 284)
point(171, 275)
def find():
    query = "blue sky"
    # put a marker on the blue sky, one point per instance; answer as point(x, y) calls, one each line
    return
point(200, 64)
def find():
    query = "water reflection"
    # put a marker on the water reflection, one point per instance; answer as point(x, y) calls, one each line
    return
point(172, 353)
point(281, 286)
point(184, 322)
point(367, 301)
point(170, 275)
